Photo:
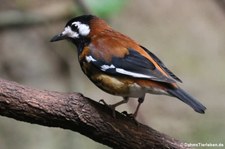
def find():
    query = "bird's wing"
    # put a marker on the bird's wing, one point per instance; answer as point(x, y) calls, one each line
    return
point(117, 54)
point(132, 64)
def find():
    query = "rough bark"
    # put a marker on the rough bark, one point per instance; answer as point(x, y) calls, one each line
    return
point(75, 112)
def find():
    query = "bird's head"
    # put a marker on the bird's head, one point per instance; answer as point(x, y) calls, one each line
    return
point(81, 28)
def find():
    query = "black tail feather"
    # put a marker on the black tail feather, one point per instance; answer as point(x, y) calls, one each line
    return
point(186, 98)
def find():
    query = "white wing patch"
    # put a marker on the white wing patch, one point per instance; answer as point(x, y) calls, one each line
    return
point(133, 74)
point(105, 67)
point(84, 29)
point(125, 72)
point(119, 70)
point(90, 59)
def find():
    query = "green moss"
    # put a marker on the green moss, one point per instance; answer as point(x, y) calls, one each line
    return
point(104, 8)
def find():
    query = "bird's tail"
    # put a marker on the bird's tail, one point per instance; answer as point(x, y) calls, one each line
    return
point(186, 98)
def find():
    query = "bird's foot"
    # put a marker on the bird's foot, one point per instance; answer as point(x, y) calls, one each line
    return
point(103, 101)
point(131, 116)
point(112, 107)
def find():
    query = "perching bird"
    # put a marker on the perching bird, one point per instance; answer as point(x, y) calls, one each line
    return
point(120, 66)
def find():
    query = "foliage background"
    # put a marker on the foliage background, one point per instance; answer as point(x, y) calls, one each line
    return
point(187, 35)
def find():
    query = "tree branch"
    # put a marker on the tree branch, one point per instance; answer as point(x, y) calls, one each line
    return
point(78, 113)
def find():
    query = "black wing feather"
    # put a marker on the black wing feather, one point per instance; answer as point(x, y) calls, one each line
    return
point(134, 63)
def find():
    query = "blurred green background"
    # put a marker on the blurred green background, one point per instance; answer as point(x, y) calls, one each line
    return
point(189, 36)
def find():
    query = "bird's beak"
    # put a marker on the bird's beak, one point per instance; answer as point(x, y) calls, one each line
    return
point(58, 37)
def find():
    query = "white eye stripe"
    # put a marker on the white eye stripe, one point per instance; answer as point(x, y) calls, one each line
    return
point(84, 29)
point(68, 31)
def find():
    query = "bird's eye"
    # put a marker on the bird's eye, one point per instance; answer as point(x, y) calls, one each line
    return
point(74, 28)
point(82, 29)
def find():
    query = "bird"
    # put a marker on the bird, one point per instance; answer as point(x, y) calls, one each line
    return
point(119, 65)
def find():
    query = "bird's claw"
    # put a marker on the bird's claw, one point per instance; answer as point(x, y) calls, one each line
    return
point(102, 101)
point(109, 106)
point(130, 116)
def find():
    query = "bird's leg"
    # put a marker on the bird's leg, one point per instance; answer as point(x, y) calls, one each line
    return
point(140, 101)
point(133, 116)
point(113, 106)
point(125, 100)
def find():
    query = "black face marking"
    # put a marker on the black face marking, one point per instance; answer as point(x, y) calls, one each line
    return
point(78, 29)
point(82, 19)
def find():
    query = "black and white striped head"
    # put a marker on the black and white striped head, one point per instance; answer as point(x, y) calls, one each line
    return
point(76, 28)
